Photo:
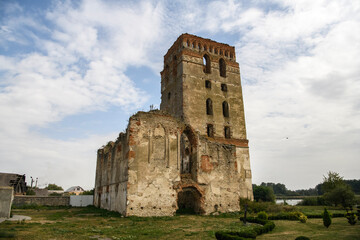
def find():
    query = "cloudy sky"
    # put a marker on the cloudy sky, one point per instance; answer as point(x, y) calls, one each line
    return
point(72, 72)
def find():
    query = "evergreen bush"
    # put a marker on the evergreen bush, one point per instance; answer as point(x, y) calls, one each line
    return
point(302, 238)
point(326, 218)
point(303, 218)
point(262, 215)
point(267, 226)
point(351, 217)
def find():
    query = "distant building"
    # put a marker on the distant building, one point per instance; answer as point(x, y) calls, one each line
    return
point(75, 190)
point(14, 180)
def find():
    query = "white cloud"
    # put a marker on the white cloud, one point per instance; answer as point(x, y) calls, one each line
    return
point(79, 68)
point(309, 75)
point(299, 66)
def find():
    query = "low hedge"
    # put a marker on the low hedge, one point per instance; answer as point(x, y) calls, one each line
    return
point(247, 234)
point(333, 215)
point(293, 216)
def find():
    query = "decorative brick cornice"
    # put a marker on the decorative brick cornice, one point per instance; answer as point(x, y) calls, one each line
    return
point(203, 45)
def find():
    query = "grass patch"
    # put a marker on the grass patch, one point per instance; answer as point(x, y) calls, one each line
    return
point(84, 223)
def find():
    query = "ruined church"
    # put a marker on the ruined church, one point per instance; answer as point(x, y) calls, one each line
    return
point(192, 153)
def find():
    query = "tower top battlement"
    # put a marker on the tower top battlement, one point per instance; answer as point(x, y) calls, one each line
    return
point(200, 44)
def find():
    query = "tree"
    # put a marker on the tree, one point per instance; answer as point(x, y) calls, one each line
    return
point(88, 192)
point(341, 194)
point(263, 193)
point(354, 184)
point(326, 218)
point(53, 187)
point(336, 191)
point(332, 180)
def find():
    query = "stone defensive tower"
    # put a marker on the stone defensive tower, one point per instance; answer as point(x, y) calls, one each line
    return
point(193, 153)
point(200, 84)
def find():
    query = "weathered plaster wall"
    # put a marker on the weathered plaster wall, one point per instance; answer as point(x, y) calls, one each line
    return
point(154, 163)
point(6, 198)
point(42, 201)
point(112, 175)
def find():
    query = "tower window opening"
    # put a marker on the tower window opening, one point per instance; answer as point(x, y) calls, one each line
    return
point(205, 48)
point(223, 87)
point(221, 52)
point(209, 107)
point(225, 106)
point(207, 84)
point(222, 67)
point(216, 51)
point(227, 132)
point(199, 45)
point(210, 130)
point(169, 95)
point(193, 44)
point(206, 64)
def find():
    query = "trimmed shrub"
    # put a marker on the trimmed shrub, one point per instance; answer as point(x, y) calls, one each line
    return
point(333, 215)
point(303, 218)
point(351, 217)
point(302, 238)
point(4, 234)
point(262, 215)
point(326, 218)
point(227, 236)
point(286, 216)
point(267, 226)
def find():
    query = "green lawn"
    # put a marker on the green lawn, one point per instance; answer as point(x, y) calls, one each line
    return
point(91, 223)
point(340, 229)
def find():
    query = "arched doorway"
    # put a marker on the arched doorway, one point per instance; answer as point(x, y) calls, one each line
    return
point(190, 201)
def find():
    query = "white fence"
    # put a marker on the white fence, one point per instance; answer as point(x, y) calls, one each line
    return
point(81, 200)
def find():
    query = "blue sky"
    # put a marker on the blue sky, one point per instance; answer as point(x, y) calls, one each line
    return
point(72, 72)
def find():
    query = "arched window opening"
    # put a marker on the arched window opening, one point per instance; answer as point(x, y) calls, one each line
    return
point(231, 55)
point(221, 52)
point(193, 44)
point(207, 84)
point(209, 107)
point(222, 67)
point(188, 43)
point(223, 87)
point(227, 132)
point(169, 95)
point(174, 66)
point(206, 64)
point(199, 46)
point(205, 48)
point(226, 53)
point(216, 51)
point(210, 130)
point(225, 107)
point(210, 49)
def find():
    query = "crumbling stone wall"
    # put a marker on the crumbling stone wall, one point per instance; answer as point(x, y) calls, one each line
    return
point(112, 175)
point(194, 152)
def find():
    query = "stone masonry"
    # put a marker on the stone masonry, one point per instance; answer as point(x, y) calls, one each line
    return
point(192, 153)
